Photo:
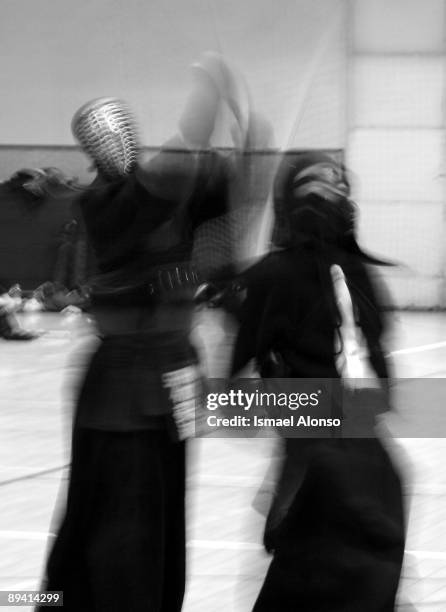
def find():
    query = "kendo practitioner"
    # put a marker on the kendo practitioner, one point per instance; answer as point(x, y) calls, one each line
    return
point(121, 544)
point(336, 525)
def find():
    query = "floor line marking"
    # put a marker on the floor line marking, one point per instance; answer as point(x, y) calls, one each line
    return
point(427, 554)
point(29, 585)
point(419, 349)
point(234, 545)
point(25, 535)
point(206, 544)
point(223, 544)
point(33, 475)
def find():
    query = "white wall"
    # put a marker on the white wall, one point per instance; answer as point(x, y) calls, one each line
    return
point(396, 140)
point(56, 54)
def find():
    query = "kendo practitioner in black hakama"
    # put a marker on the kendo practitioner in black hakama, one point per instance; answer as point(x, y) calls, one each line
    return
point(336, 527)
point(121, 544)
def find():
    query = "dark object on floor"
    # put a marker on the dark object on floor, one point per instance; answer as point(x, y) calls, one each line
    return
point(10, 329)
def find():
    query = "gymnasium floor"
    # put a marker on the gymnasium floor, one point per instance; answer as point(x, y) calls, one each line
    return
point(226, 562)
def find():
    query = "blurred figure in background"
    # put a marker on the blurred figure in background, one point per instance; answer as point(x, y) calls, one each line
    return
point(10, 328)
point(121, 545)
point(336, 525)
point(38, 209)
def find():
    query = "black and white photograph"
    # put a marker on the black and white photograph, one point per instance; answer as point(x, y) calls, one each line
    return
point(223, 305)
